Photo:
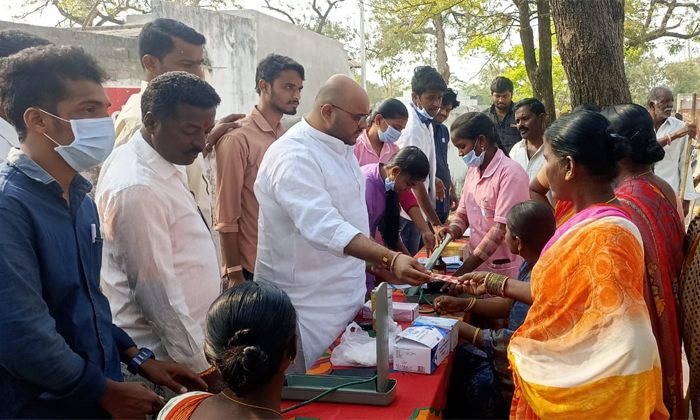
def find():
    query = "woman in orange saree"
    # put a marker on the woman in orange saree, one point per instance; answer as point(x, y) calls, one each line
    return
point(586, 349)
point(652, 205)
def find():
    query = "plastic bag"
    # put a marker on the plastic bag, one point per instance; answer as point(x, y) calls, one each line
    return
point(357, 348)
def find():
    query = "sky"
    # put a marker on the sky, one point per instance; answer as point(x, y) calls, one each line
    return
point(465, 69)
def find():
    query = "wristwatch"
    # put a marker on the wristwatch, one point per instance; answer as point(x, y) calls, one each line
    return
point(135, 364)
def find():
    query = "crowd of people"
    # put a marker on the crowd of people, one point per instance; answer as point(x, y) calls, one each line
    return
point(114, 308)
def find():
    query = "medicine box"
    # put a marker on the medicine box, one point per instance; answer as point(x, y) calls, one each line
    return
point(448, 325)
point(403, 311)
point(420, 349)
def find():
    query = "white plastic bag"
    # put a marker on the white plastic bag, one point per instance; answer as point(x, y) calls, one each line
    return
point(357, 348)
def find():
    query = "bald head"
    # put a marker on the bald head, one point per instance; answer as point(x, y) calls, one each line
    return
point(340, 89)
point(340, 109)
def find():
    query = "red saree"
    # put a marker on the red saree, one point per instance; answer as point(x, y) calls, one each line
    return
point(662, 233)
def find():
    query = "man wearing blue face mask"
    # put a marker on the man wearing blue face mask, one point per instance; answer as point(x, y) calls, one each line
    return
point(442, 140)
point(60, 353)
point(427, 87)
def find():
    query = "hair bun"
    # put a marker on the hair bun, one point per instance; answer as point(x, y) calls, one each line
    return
point(619, 147)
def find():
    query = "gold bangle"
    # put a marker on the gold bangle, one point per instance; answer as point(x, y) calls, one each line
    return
point(476, 334)
point(470, 305)
point(208, 371)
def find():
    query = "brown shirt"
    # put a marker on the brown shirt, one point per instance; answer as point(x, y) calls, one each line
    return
point(238, 157)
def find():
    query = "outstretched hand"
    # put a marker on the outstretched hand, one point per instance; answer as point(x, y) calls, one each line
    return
point(409, 271)
point(473, 283)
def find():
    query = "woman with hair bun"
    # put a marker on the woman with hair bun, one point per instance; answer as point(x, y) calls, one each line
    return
point(657, 212)
point(251, 339)
point(586, 349)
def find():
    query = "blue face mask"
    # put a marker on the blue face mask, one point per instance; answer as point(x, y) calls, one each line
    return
point(389, 184)
point(472, 160)
point(94, 141)
point(425, 114)
point(391, 135)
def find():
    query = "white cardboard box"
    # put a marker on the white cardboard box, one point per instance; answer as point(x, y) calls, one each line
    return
point(448, 325)
point(420, 349)
point(403, 311)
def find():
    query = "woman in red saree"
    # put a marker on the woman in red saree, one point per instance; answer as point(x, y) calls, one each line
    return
point(651, 204)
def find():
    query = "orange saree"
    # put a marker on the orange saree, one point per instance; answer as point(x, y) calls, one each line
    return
point(586, 349)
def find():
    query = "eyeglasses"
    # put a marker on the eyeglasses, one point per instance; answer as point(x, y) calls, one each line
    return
point(359, 118)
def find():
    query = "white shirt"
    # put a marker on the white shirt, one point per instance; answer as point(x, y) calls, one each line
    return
point(159, 266)
point(8, 139)
point(420, 135)
point(671, 168)
point(128, 122)
point(531, 165)
point(312, 204)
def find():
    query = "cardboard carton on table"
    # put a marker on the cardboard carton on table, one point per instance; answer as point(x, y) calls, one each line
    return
point(420, 349)
point(448, 325)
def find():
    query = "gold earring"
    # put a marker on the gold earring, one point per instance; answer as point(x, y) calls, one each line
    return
point(568, 176)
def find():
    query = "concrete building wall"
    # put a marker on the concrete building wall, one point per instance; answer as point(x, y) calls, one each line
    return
point(231, 50)
point(236, 42)
point(119, 56)
point(321, 57)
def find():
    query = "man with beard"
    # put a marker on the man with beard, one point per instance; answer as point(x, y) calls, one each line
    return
point(314, 228)
point(502, 113)
point(279, 81)
point(675, 136)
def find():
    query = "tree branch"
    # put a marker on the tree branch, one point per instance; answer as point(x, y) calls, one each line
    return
point(66, 14)
point(107, 18)
point(280, 11)
point(41, 7)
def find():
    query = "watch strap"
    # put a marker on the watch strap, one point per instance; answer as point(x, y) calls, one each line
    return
point(135, 364)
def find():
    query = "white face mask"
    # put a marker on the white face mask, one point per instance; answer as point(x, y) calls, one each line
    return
point(94, 141)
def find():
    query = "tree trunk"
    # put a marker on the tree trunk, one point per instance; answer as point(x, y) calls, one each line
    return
point(539, 73)
point(442, 67)
point(590, 36)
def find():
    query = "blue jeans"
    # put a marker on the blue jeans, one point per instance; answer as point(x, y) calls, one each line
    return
point(410, 236)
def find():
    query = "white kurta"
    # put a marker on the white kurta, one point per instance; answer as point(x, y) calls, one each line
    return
point(670, 169)
point(312, 204)
point(420, 135)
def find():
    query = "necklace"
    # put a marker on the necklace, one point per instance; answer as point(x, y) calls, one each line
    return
point(251, 405)
point(644, 173)
point(611, 200)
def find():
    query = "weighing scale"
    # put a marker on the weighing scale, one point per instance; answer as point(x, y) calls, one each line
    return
point(381, 391)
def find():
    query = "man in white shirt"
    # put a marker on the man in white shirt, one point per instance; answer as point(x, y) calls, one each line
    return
point(313, 226)
point(531, 118)
point(675, 136)
point(168, 45)
point(428, 87)
point(13, 41)
point(160, 271)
